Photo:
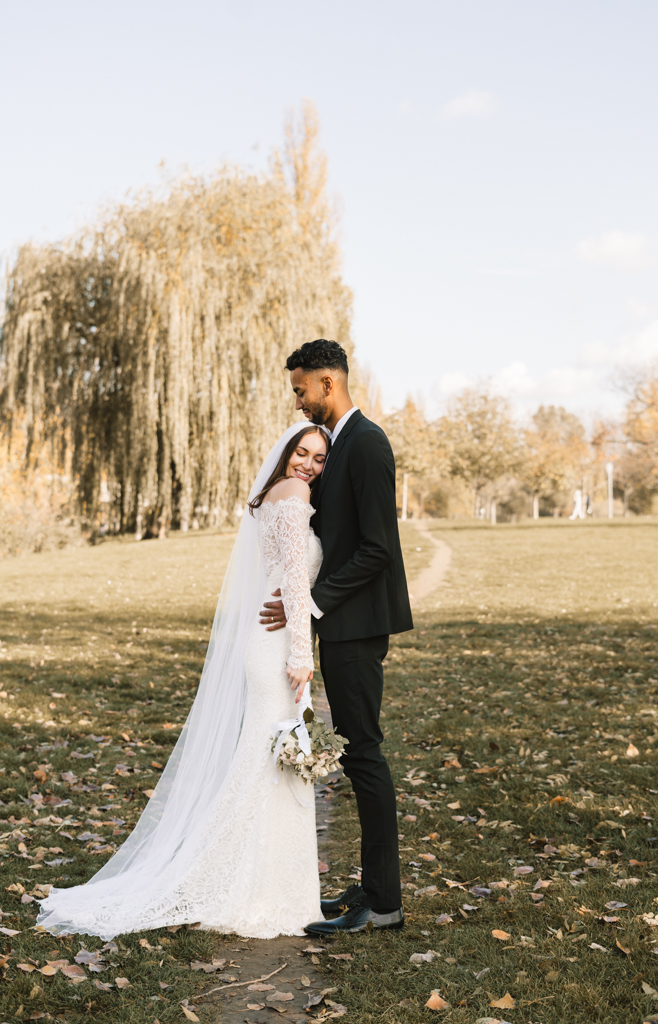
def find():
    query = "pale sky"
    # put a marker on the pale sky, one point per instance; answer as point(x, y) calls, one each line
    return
point(496, 161)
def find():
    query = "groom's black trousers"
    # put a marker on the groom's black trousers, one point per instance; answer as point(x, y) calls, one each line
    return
point(354, 680)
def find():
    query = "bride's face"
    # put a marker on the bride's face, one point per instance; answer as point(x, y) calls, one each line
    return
point(307, 460)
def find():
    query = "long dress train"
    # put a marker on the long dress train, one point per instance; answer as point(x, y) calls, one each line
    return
point(250, 865)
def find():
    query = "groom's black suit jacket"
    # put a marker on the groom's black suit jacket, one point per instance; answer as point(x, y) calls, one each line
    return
point(361, 586)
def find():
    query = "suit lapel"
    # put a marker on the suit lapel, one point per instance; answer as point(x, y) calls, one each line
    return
point(336, 449)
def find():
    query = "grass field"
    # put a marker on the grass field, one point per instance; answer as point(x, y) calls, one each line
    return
point(520, 727)
point(101, 654)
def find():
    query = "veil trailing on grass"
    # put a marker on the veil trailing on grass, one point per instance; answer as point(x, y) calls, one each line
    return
point(138, 887)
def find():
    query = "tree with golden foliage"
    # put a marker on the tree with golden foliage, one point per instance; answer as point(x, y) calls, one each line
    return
point(149, 348)
point(481, 438)
point(555, 455)
point(413, 442)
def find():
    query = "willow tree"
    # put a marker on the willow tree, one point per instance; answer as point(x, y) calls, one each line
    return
point(150, 347)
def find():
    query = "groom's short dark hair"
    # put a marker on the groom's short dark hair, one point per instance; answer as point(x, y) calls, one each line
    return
point(318, 355)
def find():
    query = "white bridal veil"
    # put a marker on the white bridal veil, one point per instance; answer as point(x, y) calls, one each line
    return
point(136, 888)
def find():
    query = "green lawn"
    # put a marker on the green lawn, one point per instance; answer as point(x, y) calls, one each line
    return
point(520, 724)
point(532, 670)
point(101, 654)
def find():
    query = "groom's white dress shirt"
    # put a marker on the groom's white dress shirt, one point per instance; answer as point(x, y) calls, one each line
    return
point(333, 434)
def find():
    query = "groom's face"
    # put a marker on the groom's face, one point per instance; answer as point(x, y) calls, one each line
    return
point(313, 390)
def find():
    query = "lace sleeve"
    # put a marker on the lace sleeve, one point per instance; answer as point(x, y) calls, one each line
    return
point(292, 530)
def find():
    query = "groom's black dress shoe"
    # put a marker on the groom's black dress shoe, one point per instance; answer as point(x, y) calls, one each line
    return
point(349, 899)
point(357, 919)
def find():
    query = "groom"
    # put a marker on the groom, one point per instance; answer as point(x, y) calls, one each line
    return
point(360, 597)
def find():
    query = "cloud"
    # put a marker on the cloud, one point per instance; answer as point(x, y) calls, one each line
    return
point(584, 385)
point(620, 250)
point(474, 103)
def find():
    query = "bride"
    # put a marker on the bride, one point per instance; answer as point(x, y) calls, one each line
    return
point(220, 843)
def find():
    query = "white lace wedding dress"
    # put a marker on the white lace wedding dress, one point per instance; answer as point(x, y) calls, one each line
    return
point(251, 866)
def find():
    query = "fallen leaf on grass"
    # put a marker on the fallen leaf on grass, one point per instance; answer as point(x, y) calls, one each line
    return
point(436, 1002)
point(648, 991)
point(523, 869)
point(189, 1013)
point(498, 933)
point(482, 891)
point(10, 932)
point(103, 986)
point(615, 905)
point(122, 983)
point(305, 981)
point(451, 763)
point(94, 960)
point(259, 987)
point(486, 770)
point(507, 1002)
point(75, 974)
point(632, 751)
point(454, 885)
point(314, 949)
point(338, 1009)
point(255, 1006)
point(28, 968)
point(52, 967)
point(595, 945)
point(454, 806)
point(427, 856)
point(491, 1020)
point(149, 793)
point(422, 958)
point(322, 867)
point(145, 944)
point(42, 890)
point(427, 891)
point(444, 919)
point(341, 956)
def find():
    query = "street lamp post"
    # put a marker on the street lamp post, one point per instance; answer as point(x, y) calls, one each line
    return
point(609, 468)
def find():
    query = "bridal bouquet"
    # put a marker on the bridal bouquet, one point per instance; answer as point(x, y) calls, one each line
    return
point(309, 747)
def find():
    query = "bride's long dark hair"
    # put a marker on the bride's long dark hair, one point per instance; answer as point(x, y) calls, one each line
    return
point(279, 472)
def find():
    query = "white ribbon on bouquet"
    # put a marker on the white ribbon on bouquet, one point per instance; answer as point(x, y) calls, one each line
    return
point(281, 732)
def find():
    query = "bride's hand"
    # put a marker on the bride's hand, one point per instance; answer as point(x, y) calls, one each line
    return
point(298, 678)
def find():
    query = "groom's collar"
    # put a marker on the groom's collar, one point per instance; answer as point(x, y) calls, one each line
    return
point(341, 423)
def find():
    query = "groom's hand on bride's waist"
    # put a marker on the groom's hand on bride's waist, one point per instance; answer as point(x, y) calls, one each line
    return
point(272, 615)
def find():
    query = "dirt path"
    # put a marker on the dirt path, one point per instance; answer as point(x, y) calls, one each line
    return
point(431, 578)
